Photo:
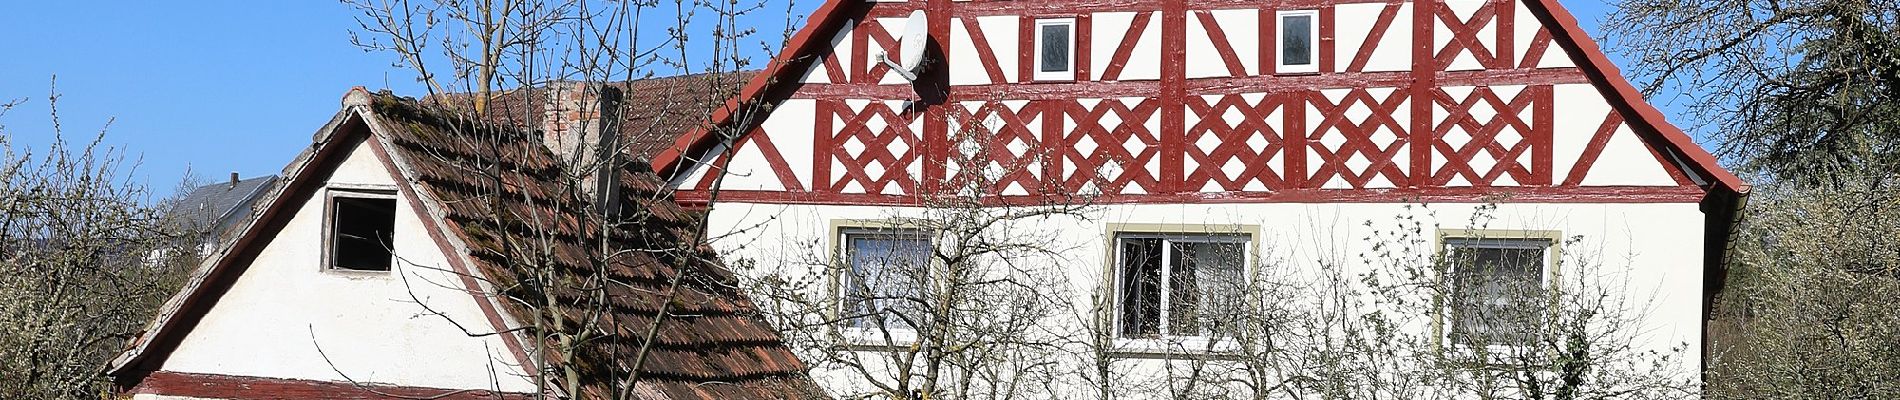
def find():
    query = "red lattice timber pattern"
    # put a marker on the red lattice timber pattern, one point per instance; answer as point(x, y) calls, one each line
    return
point(1173, 104)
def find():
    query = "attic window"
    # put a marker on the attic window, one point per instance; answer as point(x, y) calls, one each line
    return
point(360, 231)
point(1299, 52)
point(1055, 49)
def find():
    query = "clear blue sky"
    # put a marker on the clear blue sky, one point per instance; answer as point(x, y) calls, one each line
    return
point(216, 86)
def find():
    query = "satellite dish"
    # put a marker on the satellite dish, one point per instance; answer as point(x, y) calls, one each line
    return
point(911, 45)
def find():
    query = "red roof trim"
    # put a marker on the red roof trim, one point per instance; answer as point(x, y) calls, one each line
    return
point(251, 387)
point(1609, 79)
point(1584, 53)
point(696, 140)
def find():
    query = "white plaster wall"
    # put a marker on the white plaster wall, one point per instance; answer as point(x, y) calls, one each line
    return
point(1352, 23)
point(276, 316)
point(1107, 32)
point(1651, 252)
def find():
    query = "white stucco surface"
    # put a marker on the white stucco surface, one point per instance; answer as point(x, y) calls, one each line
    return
point(1650, 254)
point(286, 314)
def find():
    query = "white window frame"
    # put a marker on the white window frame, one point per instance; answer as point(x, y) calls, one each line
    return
point(1453, 240)
point(1067, 74)
point(330, 196)
point(871, 335)
point(1312, 44)
point(1167, 341)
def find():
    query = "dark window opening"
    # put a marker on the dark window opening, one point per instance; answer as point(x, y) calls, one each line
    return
point(1055, 47)
point(885, 277)
point(1179, 285)
point(362, 233)
point(1496, 290)
point(1296, 40)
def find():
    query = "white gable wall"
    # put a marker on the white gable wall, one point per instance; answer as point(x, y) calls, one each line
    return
point(285, 308)
point(1649, 253)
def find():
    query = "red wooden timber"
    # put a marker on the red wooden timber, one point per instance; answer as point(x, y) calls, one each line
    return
point(1109, 149)
point(984, 53)
point(1529, 194)
point(781, 168)
point(1625, 98)
point(1222, 46)
point(1234, 141)
point(1126, 49)
point(1384, 23)
point(1215, 85)
point(1484, 135)
point(1358, 139)
point(1171, 90)
point(1594, 149)
point(1464, 35)
point(1423, 74)
point(215, 386)
point(1026, 8)
point(1534, 54)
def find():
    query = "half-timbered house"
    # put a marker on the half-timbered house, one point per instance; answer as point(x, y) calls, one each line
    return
point(1287, 128)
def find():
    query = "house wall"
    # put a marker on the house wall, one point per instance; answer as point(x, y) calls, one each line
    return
point(1178, 115)
point(1645, 253)
point(287, 317)
point(1457, 95)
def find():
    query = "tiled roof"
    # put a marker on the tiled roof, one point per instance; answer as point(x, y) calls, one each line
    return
point(656, 110)
point(499, 189)
point(208, 209)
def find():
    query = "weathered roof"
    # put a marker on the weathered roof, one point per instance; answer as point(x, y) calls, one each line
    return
point(656, 110)
point(711, 343)
point(482, 190)
point(211, 208)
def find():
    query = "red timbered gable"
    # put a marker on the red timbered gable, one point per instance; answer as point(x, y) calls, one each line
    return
point(1183, 101)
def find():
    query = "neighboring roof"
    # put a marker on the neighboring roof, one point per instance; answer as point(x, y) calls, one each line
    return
point(210, 208)
point(657, 110)
point(711, 344)
point(793, 60)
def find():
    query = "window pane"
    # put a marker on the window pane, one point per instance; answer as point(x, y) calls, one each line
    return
point(1497, 284)
point(1296, 41)
point(1141, 287)
point(885, 270)
point(1055, 48)
point(1205, 285)
point(362, 233)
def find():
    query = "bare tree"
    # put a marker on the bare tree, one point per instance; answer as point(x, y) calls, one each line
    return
point(963, 296)
point(495, 69)
point(85, 259)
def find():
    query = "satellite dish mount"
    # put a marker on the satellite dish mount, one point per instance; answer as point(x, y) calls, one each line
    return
point(910, 47)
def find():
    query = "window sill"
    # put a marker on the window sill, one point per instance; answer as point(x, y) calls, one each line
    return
point(873, 339)
point(1174, 347)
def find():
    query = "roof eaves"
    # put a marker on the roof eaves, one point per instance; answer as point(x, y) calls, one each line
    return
point(213, 266)
point(697, 139)
point(1589, 57)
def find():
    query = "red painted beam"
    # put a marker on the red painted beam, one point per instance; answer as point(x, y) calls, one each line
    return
point(215, 386)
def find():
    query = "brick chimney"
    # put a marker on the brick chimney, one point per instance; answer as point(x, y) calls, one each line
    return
point(580, 124)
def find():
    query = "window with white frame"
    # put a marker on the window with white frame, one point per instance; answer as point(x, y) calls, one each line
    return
point(1177, 285)
point(1055, 49)
point(1497, 290)
point(1298, 42)
point(360, 230)
point(885, 269)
